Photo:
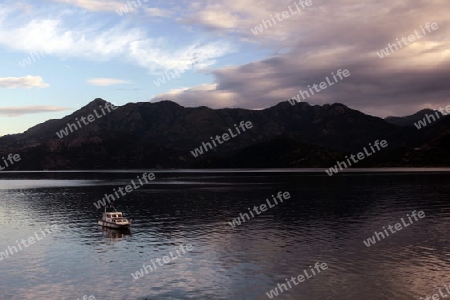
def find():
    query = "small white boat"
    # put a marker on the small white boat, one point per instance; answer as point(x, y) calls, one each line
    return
point(114, 219)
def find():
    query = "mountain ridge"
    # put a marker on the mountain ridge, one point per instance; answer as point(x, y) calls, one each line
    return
point(163, 134)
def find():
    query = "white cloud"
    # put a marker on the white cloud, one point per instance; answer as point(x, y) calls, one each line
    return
point(99, 43)
point(23, 110)
point(26, 82)
point(182, 59)
point(157, 12)
point(106, 81)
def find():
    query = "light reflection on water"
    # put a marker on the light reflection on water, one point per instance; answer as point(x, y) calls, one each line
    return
point(326, 220)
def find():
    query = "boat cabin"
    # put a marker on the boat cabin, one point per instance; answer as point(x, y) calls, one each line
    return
point(114, 217)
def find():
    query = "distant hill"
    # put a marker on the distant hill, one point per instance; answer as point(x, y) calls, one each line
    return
point(163, 134)
point(409, 120)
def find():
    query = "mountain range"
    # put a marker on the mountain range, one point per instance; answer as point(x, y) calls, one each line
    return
point(164, 135)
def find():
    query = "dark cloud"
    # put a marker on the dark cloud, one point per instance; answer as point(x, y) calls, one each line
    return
point(343, 34)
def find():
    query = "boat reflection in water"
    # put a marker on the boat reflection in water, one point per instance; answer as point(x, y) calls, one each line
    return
point(114, 234)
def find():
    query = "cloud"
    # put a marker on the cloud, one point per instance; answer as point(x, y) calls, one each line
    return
point(106, 81)
point(321, 39)
point(95, 5)
point(26, 82)
point(182, 59)
point(25, 7)
point(117, 6)
point(114, 6)
point(300, 50)
point(202, 95)
point(239, 17)
point(97, 41)
point(24, 110)
point(157, 12)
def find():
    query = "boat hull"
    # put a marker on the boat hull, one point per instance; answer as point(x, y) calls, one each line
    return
point(113, 225)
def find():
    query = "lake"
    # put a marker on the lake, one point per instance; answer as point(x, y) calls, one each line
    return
point(325, 220)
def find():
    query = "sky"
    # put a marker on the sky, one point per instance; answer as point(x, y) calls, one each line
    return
point(58, 55)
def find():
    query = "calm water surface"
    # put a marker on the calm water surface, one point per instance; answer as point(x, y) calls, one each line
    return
point(325, 220)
